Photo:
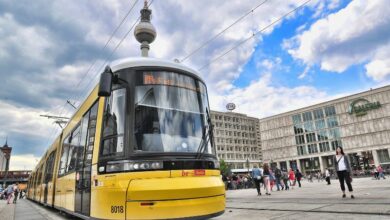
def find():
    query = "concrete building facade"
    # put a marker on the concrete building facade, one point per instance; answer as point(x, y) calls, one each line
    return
point(307, 138)
point(237, 139)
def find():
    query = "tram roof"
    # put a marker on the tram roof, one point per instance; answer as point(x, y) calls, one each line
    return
point(149, 62)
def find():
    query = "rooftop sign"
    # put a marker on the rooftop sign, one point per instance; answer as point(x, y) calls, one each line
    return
point(230, 106)
point(360, 106)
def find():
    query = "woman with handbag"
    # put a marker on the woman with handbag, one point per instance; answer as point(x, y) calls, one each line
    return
point(343, 169)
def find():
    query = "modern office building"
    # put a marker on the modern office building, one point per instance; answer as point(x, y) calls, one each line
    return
point(306, 138)
point(237, 139)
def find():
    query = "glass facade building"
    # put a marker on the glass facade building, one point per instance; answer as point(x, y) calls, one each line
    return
point(307, 138)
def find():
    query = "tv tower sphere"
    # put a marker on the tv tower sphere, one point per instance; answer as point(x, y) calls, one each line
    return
point(144, 32)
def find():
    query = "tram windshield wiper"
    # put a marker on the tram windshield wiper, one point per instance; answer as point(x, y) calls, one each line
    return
point(207, 137)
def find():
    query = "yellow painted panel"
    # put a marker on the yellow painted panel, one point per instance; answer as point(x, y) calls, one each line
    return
point(176, 208)
point(175, 188)
point(70, 182)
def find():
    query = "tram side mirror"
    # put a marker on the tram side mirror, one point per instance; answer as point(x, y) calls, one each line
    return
point(105, 83)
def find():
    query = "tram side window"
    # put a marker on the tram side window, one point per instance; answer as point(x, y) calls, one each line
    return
point(64, 156)
point(114, 124)
point(74, 147)
point(49, 167)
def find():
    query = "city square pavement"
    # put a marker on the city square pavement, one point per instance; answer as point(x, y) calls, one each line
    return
point(313, 201)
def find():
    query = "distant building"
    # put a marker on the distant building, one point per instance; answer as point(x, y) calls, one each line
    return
point(5, 156)
point(306, 138)
point(237, 139)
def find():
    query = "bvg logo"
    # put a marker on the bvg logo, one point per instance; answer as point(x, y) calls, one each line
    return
point(363, 107)
point(193, 173)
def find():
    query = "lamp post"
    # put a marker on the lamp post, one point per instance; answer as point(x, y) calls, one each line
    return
point(247, 164)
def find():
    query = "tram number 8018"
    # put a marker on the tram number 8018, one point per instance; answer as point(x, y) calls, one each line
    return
point(116, 209)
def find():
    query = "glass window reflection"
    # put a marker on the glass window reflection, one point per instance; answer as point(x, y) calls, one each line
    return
point(170, 118)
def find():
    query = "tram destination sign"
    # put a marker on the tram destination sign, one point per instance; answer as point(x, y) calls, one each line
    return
point(361, 106)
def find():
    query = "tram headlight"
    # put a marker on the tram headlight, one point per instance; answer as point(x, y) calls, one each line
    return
point(121, 166)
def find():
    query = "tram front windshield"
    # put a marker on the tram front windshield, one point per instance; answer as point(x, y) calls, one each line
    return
point(170, 113)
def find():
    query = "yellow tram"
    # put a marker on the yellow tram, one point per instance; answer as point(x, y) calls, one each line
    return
point(139, 147)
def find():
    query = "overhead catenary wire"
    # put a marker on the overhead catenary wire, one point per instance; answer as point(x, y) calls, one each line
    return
point(112, 53)
point(93, 64)
point(223, 31)
point(253, 35)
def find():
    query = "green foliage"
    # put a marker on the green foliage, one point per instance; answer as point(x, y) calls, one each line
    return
point(224, 167)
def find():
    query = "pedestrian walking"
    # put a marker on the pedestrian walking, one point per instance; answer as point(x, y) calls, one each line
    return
point(298, 177)
point(257, 177)
point(10, 193)
point(343, 169)
point(278, 176)
point(291, 178)
point(380, 172)
point(285, 180)
point(327, 176)
point(16, 192)
point(266, 181)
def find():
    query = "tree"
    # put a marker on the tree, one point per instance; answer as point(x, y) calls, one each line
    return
point(224, 167)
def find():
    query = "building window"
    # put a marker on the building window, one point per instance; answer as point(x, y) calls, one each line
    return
point(383, 156)
point(318, 114)
point(298, 129)
point(324, 146)
point(309, 126)
point(312, 148)
point(336, 144)
point(334, 133)
point(332, 122)
point(300, 139)
point(320, 124)
point(296, 119)
point(330, 110)
point(310, 137)
point(301, 150)
point(307, 116)
point(322, 135)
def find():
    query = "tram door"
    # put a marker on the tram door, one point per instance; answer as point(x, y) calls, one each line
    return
point(84, 158)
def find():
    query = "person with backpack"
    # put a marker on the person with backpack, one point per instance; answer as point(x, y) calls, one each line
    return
point(343, 168)
point(257, 177)
point(298, 177)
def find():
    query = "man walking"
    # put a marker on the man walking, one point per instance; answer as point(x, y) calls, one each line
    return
point(257, 176)
point(278, 175)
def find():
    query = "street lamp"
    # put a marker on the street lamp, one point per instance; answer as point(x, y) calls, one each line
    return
point(247, 164)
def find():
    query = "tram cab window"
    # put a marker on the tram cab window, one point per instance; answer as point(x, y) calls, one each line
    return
point(114, 124)
point(170, 113)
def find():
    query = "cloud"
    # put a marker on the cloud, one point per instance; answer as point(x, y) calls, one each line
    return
point(46, 47)
point(23, 162)
point(353, 35)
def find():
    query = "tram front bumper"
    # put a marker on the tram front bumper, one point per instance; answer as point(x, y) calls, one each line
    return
point(175, 197)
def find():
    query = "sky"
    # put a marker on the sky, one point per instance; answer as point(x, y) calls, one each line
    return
point(52, 51)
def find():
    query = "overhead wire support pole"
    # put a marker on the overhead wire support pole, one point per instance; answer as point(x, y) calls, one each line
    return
point(253, 35)
point(221, 32)
point(67, 101)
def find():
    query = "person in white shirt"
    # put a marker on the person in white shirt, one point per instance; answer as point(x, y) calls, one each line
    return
point(343, 169)
point(327, 176)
